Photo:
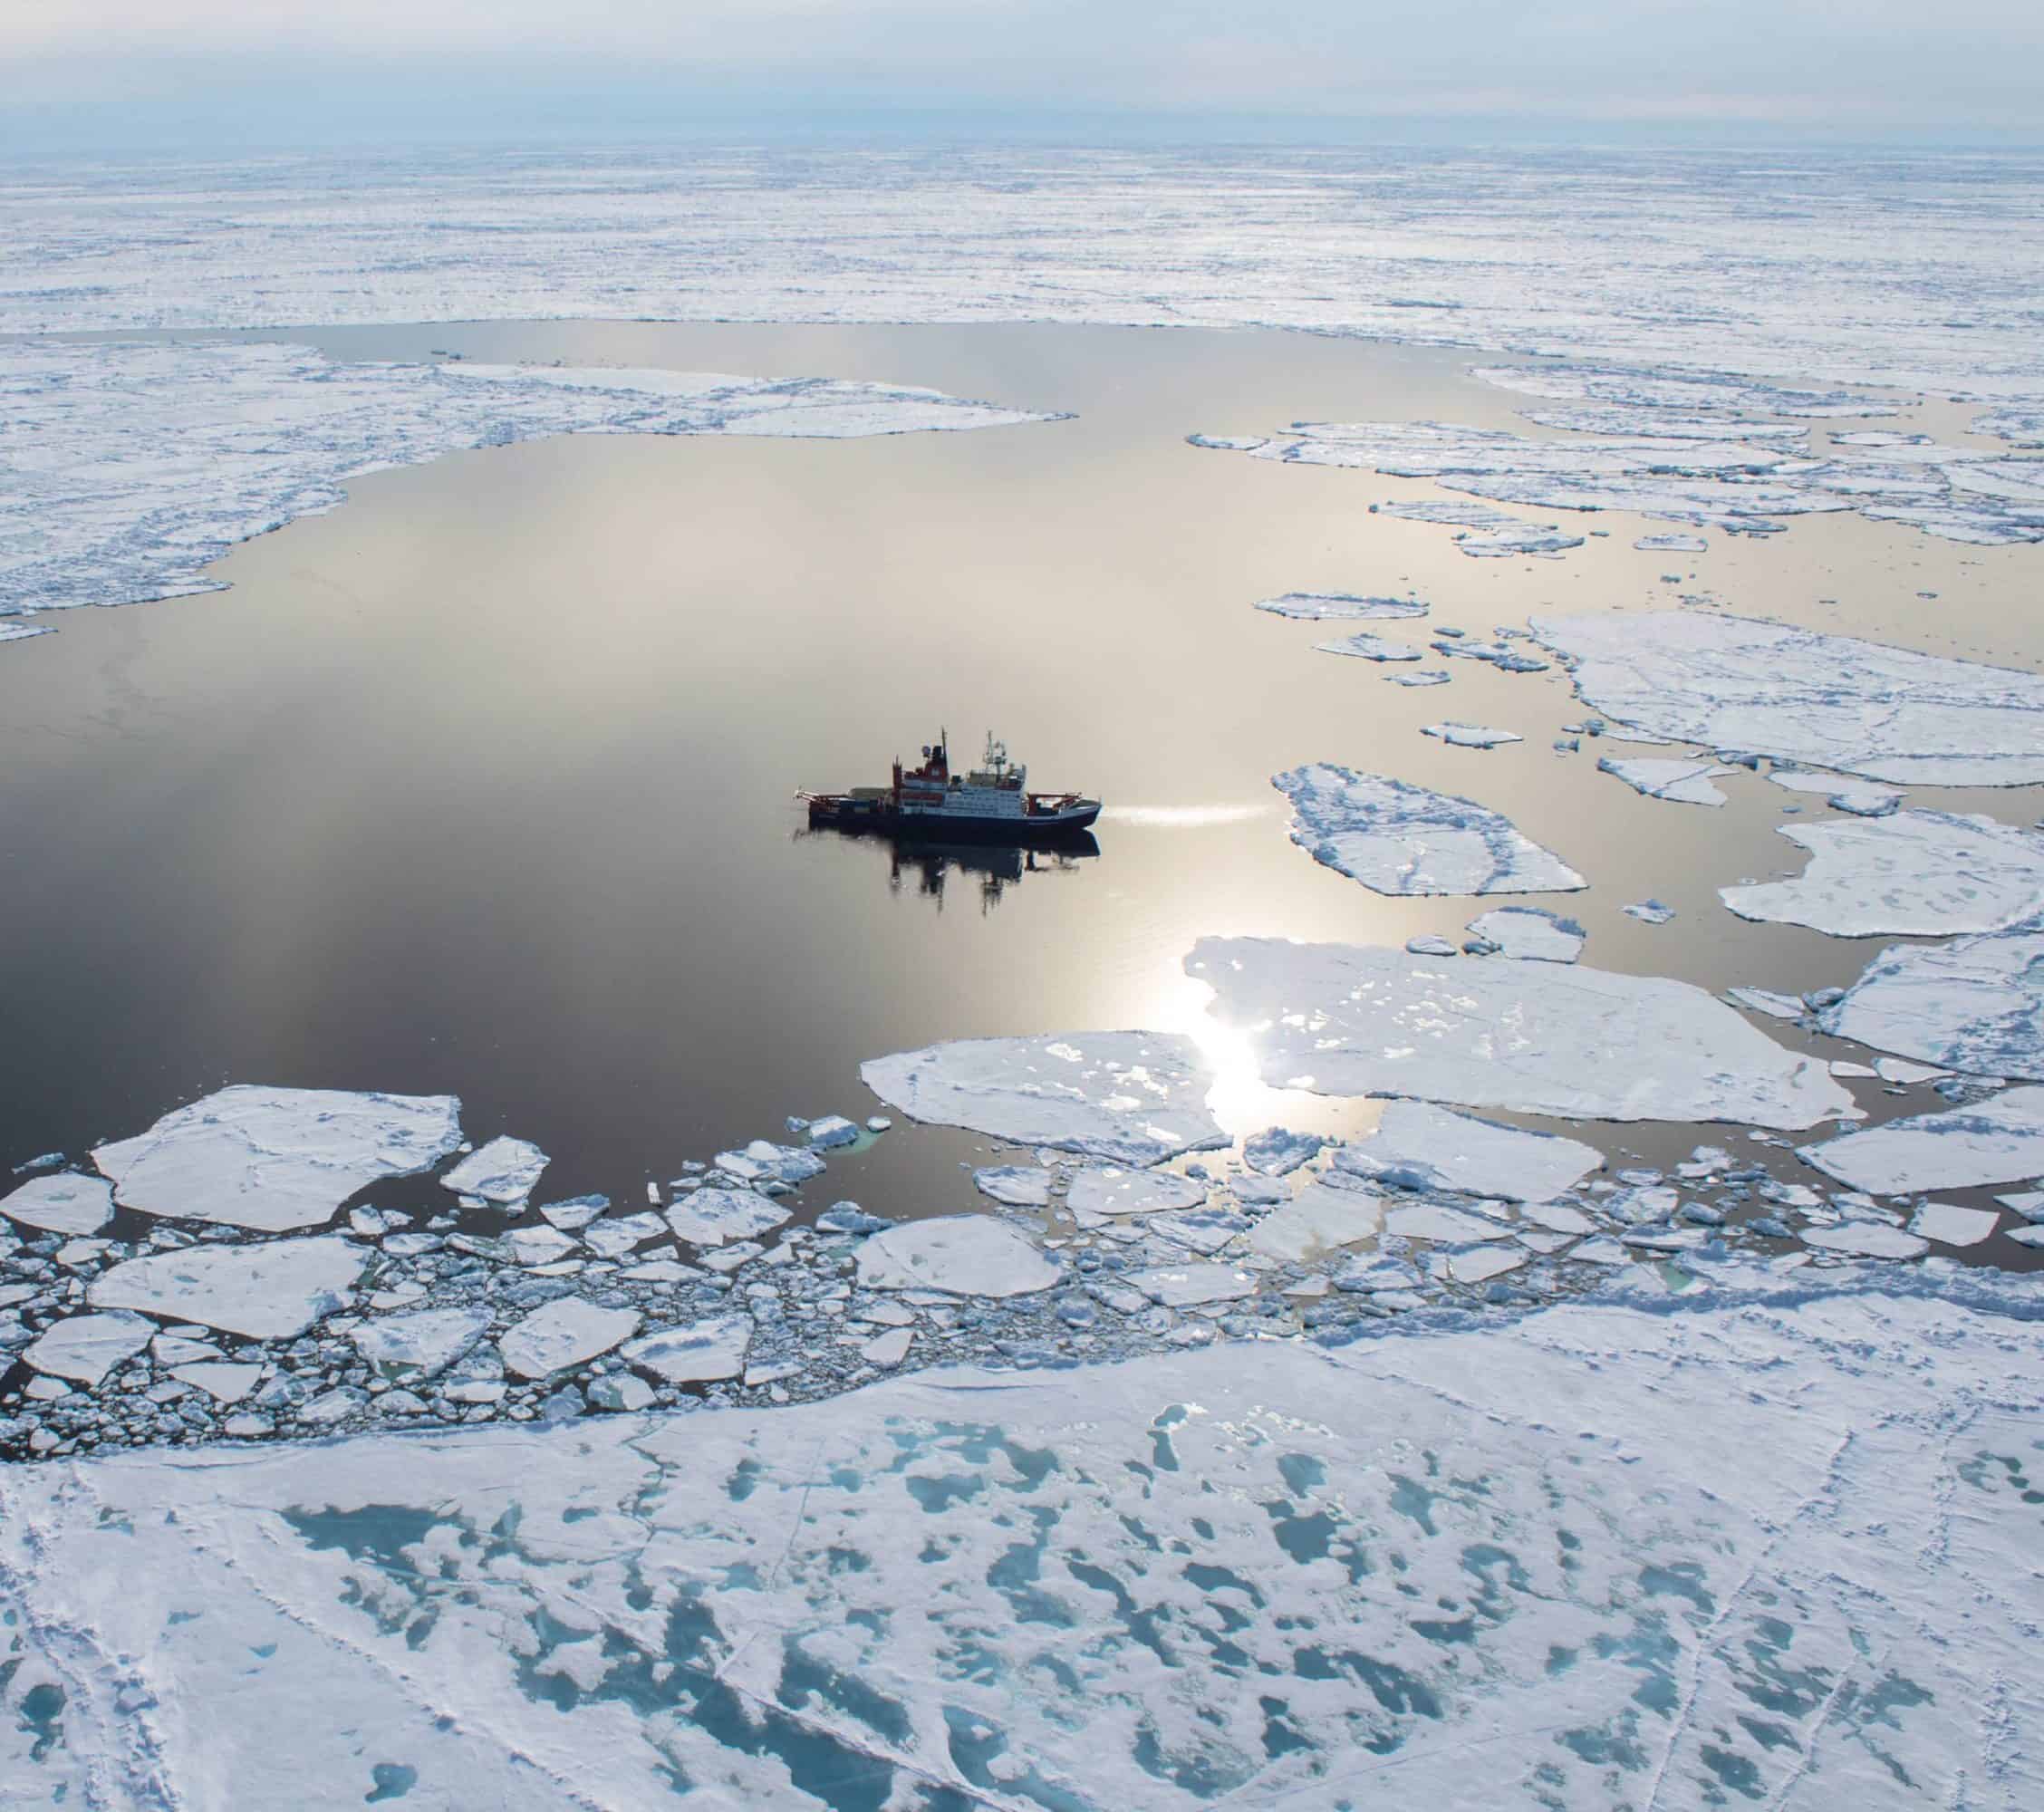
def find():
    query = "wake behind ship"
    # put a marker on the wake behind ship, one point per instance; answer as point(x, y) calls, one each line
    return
point(990, 804)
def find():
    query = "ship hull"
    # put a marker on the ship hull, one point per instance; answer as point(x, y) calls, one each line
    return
point(881, 818)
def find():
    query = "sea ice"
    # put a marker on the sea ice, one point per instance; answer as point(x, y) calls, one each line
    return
point(1015, 1185)
point(1420, 1146)
point(1949, 1224)
point(1126, 1097)
point(273, 1291)
point(1672, 544)
point(1190, 1284)
point(277, 1159)
point(1649, 911)
point(1854, 796)
point(1826, 700)
point(1340, 607)
point(420, 1344)
point(1999, 1141)
point(1441, 1222)
point(711, 1215)
point(567, 1332)
point(1866, 1239)
point(1768, 1001)
point(1484, 1263)
point(1277, 1151)
point(964, 1254)
point(1396, 838)
point(1974, 1005)
point(1529, 934)
point(1096, 1193)
point(694, 1352)
point(1469, 736)
point(1320, 1219)
point(1364, 646)
point(1530, 1038)
point(1928, 873)
point(63, 1203)
point(85, 1347)
point(505, 1170)
point(1686, 783)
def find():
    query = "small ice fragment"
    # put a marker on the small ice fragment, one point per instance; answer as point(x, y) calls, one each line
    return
point(504, 1171)
point(1015, 1185)
point(887, 1349)
point(878, 1123)
point(1649, 911)
point(1685, 783)
point(620, 1391)
point(1484, 1263)
point(1895, 1070)
point(1527, 933)
point(1427, 944)
point(1364, 646)
point(848, 1217)
point(1469, 736)
point(223, 1380)
point(1672, 544)
point(713, 1214)
point(1277, 1151)
point(1188, 1284)
point(1426, 675)
point(574, 1213)
point(832, 1130)
point(1765, 1000)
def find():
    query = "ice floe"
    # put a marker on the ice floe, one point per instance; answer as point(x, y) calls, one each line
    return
point(1127, 1097)
point(1975, 1005)
point(63, 1203)
point(1997, 1141)
point(273, 1160)
point(964, 1254)
point(1828, 700)
point(261, 434)
point(1397, 838)
point(1528, 933)
point(1927, 873)
point(1686, 783)
point(1339, 606)
point(85, 1347)
point(1363, 646)
point(1015, 1185)
point(1672, 544)
point(1096, 1193)
point(419, 1344)
point(1418, 1146)
point(1866, 1239)
point(1469, 736)
point(506, 1172)
point(695, 1353)
point(1277, 1151)
point(1853, 796)
point(562, 1334)
point(271, 1291)
point(1532, 1037)
point(1948, 1223)
point(713, 1214)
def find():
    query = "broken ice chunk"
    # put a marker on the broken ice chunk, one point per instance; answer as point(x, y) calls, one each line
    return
point(505, 1170)
point(1418, 1146)
point(1484, 1263)
point(1015, 1185)
point(1098, 1191)
point(1469, 736)
point(966, 1255)
point(567, 1332)
point(1766, 1000)
point(1277, 1151)
point(85, 1347)
point(887, 1349)
point(1949, 1224)
point(1429, 676)
point(613, 1237)
point(1686, 783)
point(269, 1292)
point(1316, 1221)
point(1400, 839)
point(421, 1344)
point(1975, 1005)
point(1527, 933)
point(276, 1159)
point(1858, 797)
point(1188, 1284)
point(1672, 544)
point(575, 1213)
point(1363, 646)
point(831, 1131)
point(1339, 606)
point(65, 1203)
point(713, 1214)
point(693, 1352)
point(1866, 1239)
point(1649, 911)
point(1997, 1141)
point(1440, 1222)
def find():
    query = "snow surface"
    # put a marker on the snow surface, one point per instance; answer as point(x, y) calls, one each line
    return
point(1469, 736)
point(564, 1333)
point(1998, 1141)
point(1828, 700)
point(276, 1159)
point(1975, 1005)
point(1420, 1146)
point(1686, 783)
point(129, 467)
point(695, 1353)
point(1397, 838)
point(1530, 1038)
point(1929, 873)
point(1127, 1097)
point(85, 1347)
point(1530, 933)
point(964, 1254)
point(62, 1203)
point(1339, 606)
point(271, 1291)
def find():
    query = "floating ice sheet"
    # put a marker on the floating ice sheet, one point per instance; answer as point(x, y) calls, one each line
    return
point(1469, 736)
point(277, 1159)
point(62, 1203)
point(711, 1215)
point(1320, 1219)
point(1096, 1193)
point(965, 1255)
point(1127, 1097)
point(564, 1333)
point(421, 1344)
point(695, 1353)
point(1397, 838)
point(1853, 796)
point(1363, 646)
point(1999, 1141)
point(1830, 700)
point(1015, 1185)
point(273, 1291)
point(1976, 1004)
point(85, 1347)
point(1420, 1146)
point(506, 1171)
point(1928, 873)
point(1532, 1037)
point(1686, 783)
point(1340, 606)
point(1530, 933)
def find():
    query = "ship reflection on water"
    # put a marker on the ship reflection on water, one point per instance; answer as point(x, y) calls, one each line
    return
point(924, 868)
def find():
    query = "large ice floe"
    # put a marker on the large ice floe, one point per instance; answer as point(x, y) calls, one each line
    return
point(1997, 1141)
point(1419, 1146)
point(1926, 872)
point(1976, 1004)
point(129, 466)
point(1401, 839)
point(276, 1159)
point(1776, 1550)
point(1738, 683)
point(1531, 1037)
point(961, 1254)
point(1128, 1097)
point(264, 1292)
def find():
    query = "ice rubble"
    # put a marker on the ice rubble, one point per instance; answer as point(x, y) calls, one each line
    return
point(136, 465)
point(1975, 1005)
point(270, 1291)
point(1532, 1037)
point(1686, 783)
point(1419, 1146)
point(62, 1203)
point(963, 1254)
point(1397, 838)
point(506, 1172)
point(1828, 700)
point(1928, 873)
point(1997, 1141)
point(1363, 646)
point(1340, 606)
point(276, 1159)
point(1469, 736)
point(1127, 1097)
point(1528, 933)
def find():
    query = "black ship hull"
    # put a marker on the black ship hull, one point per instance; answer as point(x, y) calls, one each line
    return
point(879, 817)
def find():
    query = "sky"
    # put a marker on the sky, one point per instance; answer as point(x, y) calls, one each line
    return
point(112, 73)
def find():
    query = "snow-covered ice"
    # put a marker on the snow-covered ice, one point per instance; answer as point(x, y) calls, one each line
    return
point(1340, 607)
point(564, 1333)
point(1277, 1151)
point(273, 1291)
point(1318, 1221)
point(421, 1344)
point(1531, 1037)
point(1976, 1004)
point(1866, 1239)
point(506, 1171)
point(1191, 1284)
point(62, 1203)
point(1857, 797)
point(276, 1159)
point(1469, 736)
point(1126, 1097)
point(1364, 646)
point(1926, 872)
point(693, 1352)
point(1997, 1141)
point(1530, 933)
point(1015, 1185)
point(1949, 1223)
point(1685, 783)
point(1397, 838)
point(713, 1214)
point(1096, 1193)
point(1829, 701)
point(1649, 911)
point(964, 1254)
point(85, 1347)
point(1420, 1146)
point(1444, 1223)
